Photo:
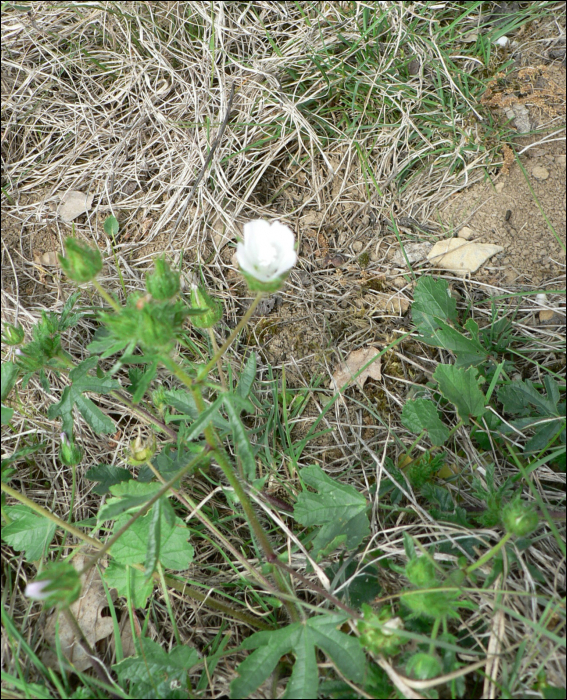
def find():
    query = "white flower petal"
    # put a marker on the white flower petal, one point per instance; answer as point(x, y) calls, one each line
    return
point(34, 590)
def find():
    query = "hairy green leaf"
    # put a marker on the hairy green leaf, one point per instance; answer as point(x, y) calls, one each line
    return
point(27, 531)
point(126, 578)
point(337, 509)
point(460, 386)
point(156, 673)
point(107, 475)
point(301, 639)
point(73, 395)
point(421, 414)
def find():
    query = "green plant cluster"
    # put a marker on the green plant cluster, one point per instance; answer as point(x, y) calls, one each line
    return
point(205, 418)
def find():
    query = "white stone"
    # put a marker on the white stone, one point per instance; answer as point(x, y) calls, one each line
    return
point(461, 256)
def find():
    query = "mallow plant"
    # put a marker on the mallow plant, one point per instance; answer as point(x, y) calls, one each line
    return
point(203, 422)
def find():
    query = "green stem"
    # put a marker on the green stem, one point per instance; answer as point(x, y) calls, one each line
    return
point(219, 358)
point(216, 446)
point(105, 295)
point(168, 604)
point(73, 487)
point(243, 321)
point(434, 633)
point(488, 555)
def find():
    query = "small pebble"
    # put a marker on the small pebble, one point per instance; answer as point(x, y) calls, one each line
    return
point(499, 187)
point(357, 246)
point(466, 232)
point(540, 173)
point(546, 315)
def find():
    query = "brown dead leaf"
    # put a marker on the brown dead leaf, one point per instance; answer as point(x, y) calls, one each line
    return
point(356, 360)
point(48, 259)
point(88, 612)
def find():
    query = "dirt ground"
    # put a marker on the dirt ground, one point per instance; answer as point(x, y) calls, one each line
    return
point(347, 288)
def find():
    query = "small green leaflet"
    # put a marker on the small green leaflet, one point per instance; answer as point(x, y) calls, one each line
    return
point(247, 377)
point(183, 402)
point(9, 376)
point(460, 387)
point(27, 532)
point(234, 404)
point(518, 397)
point(301, 639)
point(421, 414)
point(108, 476)
point(432, 302)
point(155, 674)
point(433, 311)
point(111, 226)
point(129, 494)
point(338, 509)
point(116, 576)
point(73, 395)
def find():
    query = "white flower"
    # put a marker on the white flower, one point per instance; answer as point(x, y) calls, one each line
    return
point(267, 251)
point(34, 590)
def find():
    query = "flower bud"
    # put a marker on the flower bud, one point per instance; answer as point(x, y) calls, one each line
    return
point(519, 518)
point(211, 308)
point(421, 572)
point(162, 284)
point(378, 631)
point(159, 400)
point(82, 263)
point(59, 583)
point(69, 453)
point(13, 335)
point(35, 590)
point(141, 451)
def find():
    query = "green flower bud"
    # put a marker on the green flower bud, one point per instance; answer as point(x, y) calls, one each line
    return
point(424, 666)
point(141, 451)
point(162, 284)
point(59, 583)
point(421, 572)
point(211, 308)
point(13, 335)
point(69, 453)
point(82, 263)
point(432, 604)
point(519, 518)
point(158, 400)
point(378, 631)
